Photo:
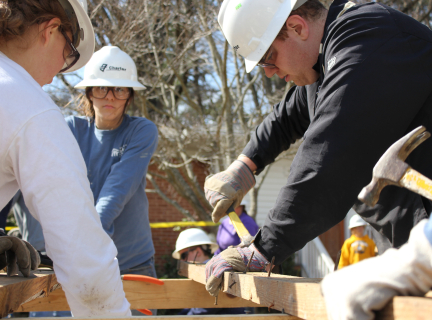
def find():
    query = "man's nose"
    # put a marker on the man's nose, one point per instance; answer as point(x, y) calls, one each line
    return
point(270, 72)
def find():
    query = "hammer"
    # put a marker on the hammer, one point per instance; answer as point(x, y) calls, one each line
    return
point(392, 170)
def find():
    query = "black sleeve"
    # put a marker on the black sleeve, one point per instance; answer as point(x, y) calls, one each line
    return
point(282, 127)
point(374, 90)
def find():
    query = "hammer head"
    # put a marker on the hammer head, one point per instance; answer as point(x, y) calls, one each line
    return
point(391, 167)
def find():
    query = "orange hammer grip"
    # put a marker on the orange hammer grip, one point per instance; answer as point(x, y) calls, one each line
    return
point(138, 277)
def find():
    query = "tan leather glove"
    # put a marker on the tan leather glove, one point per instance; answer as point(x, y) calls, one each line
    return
point(356, 291)
point(228, 188)
point(17, 254)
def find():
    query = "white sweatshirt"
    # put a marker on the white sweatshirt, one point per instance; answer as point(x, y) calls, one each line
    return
point(40, 156)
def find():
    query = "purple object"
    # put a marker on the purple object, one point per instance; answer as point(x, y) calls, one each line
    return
point(227, 235)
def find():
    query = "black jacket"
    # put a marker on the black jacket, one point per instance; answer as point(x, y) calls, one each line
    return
point(375, 86)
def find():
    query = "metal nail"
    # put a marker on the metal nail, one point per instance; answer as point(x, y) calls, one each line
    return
point(233, 283)
point(271, 267)
point(270, 306)
point(249, 262)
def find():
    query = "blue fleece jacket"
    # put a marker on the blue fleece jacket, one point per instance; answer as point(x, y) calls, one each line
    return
point(117, 162)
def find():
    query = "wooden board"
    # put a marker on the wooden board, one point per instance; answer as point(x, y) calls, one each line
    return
point(174, 294)
point(17, 290)
point(300, 297)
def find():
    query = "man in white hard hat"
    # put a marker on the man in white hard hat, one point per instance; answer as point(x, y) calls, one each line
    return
point(349, 106)
point(194, 245)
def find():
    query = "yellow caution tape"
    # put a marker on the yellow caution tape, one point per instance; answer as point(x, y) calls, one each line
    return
point(159, 225)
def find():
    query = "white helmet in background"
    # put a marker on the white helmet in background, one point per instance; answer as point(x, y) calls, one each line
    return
point(190, 238)
point(110, 67)
point(83, 34)
point(250, 26)
point(356, 221)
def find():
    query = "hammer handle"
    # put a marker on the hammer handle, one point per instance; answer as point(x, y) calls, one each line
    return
point(416, 182)
point(239, 227)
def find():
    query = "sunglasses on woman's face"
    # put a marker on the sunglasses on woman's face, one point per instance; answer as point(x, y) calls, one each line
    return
point(70, 53)
point(120, 93)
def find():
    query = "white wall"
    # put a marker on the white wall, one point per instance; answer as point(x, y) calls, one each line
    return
point(274, 181)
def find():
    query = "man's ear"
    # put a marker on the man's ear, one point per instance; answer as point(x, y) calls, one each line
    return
point(47, 30)
point(297, 26)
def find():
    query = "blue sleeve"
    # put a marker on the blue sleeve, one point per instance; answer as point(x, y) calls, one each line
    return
point(126, 175)
point(428, 230)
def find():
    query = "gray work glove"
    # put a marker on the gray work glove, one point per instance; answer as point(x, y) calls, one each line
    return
point(17, 254)
point(232, 259)
point(228, 188)
point(356, 291)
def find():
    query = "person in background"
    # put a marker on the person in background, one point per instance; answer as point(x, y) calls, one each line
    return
point(194, 245)
point(359, 246)
point(227, 236)
point(39, 155)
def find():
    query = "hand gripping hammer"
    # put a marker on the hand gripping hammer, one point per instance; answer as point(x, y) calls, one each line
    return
point(392, 170)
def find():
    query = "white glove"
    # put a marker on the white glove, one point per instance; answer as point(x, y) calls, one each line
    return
point(356, 291)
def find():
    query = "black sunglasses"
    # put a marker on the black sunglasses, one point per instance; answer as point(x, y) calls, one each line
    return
point(70, 53)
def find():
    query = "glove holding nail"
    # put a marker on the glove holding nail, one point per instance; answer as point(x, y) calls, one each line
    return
point(232, 259)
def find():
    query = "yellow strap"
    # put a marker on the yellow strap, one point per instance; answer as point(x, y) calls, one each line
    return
point(159, 225)
point(238, 225)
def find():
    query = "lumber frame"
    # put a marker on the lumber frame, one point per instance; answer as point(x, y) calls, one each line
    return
point(300, 297)
point(174, 294)
point(17, 290)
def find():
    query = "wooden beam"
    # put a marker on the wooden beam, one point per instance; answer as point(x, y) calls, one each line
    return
point(17, 290)
point(174, 294)
point(206, 317)
point(300, 297)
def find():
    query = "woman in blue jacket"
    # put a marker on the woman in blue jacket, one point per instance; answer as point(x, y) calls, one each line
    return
point(117, 149)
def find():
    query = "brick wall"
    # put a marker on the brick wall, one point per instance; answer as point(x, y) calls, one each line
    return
point(164, 239)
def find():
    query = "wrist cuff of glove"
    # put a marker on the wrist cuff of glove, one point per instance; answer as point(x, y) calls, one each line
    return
point(243, 175)
point(259, 254)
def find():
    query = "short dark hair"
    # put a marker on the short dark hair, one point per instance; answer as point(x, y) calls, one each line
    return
point(311, 10)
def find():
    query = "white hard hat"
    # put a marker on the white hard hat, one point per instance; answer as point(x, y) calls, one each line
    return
point(85, 32)
point(190, 238)
point(251, 26)
point(110, 67)
point(356, 221)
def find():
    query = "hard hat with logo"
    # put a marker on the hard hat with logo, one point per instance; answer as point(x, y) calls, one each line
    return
point(190, 238)
point(356, 221)
point(110, 67)
point(83, 34)
point(251, 26)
